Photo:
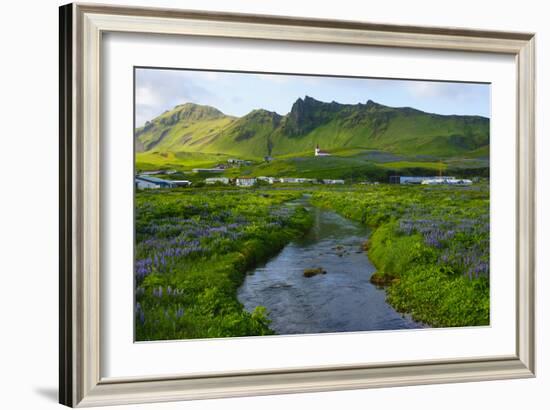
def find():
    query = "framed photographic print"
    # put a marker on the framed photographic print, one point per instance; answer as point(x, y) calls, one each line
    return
point(260, 205)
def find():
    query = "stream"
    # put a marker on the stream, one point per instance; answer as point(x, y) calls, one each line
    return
point(341, 300)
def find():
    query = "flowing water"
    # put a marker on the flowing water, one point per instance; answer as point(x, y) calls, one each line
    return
point(341, 300)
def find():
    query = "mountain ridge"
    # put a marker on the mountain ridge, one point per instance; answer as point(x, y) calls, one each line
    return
point(192, 127)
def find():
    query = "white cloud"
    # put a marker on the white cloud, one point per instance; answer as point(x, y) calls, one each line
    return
point(146, 96)
point(161, 90)
point(425, 89)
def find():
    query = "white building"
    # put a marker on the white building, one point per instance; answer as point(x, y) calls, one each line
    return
point(269, 180)
point(207, 170)
point(297, 180)
point(245, 181)
point(333, 181)
point(320, 153)
point(446, 181)
point(289, 180)
point(417, 180)
point(141, 184)
point(182, 182)
point(159, 172)
point(221, 180)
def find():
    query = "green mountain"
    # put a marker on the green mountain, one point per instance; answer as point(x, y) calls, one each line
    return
point(333, 126)
point(187, 127)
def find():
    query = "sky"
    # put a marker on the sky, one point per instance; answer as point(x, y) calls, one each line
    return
point(158, 90)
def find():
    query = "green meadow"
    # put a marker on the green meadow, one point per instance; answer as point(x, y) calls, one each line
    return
point(429, 244)
point(193, 248)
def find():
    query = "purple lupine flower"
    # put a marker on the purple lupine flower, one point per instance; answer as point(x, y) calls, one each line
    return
point(139, 313)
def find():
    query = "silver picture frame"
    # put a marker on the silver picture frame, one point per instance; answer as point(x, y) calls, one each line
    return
point(81, 29)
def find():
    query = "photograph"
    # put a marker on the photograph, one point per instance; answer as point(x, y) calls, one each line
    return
point(293, 203)
point(281, 204)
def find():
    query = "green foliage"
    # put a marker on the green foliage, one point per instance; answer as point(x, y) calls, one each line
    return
point(430, 244)
point(193, 249)
point(432, 296)
point(396, 254)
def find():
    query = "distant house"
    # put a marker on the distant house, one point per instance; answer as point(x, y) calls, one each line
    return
point(333, 181)
point(245, 181)
point(212, 181)
point(416, 179)
point(141, 184)
point(159, 172)
point(320, 153)
point(446, 181)
point(269, 180)
point(298, 180)
point(268, 158)
point(207, 170)
point(182, 182)
point(149, 182)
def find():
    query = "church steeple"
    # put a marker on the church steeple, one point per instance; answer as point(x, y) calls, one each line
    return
point(319, 153)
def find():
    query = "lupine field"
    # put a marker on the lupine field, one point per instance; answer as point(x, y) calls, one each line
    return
point(430, 245)
point(193, 249)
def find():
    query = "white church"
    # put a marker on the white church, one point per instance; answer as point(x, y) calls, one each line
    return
point(319, 153)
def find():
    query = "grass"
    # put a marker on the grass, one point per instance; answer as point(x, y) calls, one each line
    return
point(430, 245)
point(193, 248)
point(193, 136)
point(433, 166)
point(183, 161)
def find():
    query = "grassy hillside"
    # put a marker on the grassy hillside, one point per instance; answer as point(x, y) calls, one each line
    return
point(250, 136)
point(188, 127)
point(183, 161)
point(399, 131)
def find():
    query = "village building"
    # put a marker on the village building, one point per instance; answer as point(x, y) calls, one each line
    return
point(320, 153)
point(297, 180)
point(269, 180)
point(181, 182)
point(149, 182)
point(245, 181)
point(446, 181)
point(158, 172)
point(333, 181)
point(207, 170)
point(394, 179)
point(141, 184)
point(212, 181)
